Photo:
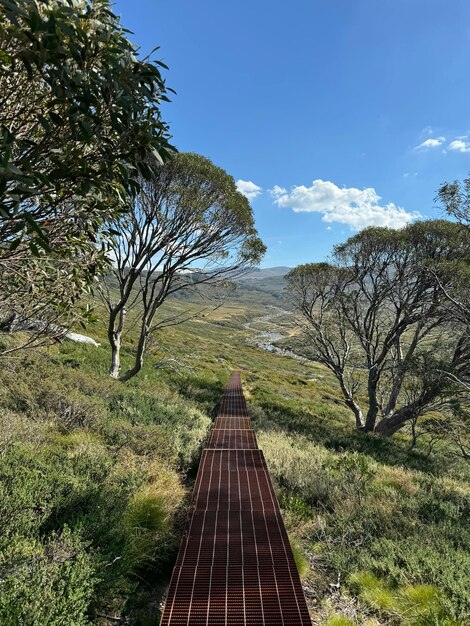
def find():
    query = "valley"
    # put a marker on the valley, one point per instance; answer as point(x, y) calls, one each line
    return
point(100, 474)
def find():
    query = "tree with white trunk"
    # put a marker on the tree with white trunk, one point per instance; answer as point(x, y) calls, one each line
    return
point(187, 226)
point(380, 319)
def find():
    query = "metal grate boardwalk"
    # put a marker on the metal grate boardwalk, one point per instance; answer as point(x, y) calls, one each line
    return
point(235, 565)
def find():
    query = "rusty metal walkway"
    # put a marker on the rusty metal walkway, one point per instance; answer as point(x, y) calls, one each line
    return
point(235, 565)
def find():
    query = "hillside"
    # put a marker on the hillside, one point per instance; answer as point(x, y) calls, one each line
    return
point(96, 476)
point(261, 274)
point(187, 436)
point(261, 283)
point(259, 287)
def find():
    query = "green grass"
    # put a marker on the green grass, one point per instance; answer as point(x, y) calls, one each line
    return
point(300, 558)
point(95, 477)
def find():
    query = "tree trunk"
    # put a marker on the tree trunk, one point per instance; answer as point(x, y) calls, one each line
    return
point(355, 408)
point(394, 395)
point(414, 434)
point(373, 411)
point(139, 357)
point(391, 424)
point(114, 337)
point(350, 402)
point(388, 426)
point(115, 357)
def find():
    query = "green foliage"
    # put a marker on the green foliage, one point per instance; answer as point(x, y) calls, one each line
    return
point(358, 469)
point(297, 466)
point(339, 620)
point(183, 427)
point(372, 590)
point(414, 605)
point(47, 583)
point(359, 507)
point(295, 505)
point(455, 198)
point(116, 507)
point(382, 319)
point(300, 559)
point(433, 558)
point(78, 55)
point(144, 519)
point(112, 477)
point(188, 214)
point(420, 603)
point(71, 462)
point(66, 163)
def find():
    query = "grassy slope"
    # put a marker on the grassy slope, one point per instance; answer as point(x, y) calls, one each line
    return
point(96, 476)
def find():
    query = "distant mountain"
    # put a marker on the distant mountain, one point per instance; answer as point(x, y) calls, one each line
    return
point(265, 272)
point(260, 287)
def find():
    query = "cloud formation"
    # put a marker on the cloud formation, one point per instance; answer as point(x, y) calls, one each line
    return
point(358, 208)
point(433, 142)
point(248, 189)
point(460, 145)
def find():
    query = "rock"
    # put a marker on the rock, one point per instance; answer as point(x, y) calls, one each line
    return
point(77, 338)
point(14, 323)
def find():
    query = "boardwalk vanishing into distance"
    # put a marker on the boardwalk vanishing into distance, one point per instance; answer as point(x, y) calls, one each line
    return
point(235, 564)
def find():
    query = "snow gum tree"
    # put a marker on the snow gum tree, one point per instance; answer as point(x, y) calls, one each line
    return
point(187, 226)
point(79, 116)
point(379, 319)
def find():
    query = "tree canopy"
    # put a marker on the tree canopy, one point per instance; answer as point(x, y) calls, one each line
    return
point(188, 225)
point(79, 118)
point(455, 198)
point(379, 319)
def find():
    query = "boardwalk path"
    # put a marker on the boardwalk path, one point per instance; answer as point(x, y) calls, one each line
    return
point(235, 565)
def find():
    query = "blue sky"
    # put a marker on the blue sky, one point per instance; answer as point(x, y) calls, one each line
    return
point(343, 112)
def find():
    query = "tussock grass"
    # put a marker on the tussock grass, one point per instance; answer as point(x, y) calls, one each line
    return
point(301, 561)
point(95, 477)
point(339, 620)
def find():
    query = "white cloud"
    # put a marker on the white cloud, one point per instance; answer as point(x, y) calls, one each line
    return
point(277, 191)
point(248, 189)
point(433, 142)
point(460, 145)
point(358, 208)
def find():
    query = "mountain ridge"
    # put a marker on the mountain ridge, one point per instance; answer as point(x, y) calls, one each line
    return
point(260, 273)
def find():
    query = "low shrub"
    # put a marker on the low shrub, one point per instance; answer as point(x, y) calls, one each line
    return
point(297, 466)
point(412, 605)
point(339, 620)
point(301, 561)
point(50, 582)
point(78, 524)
